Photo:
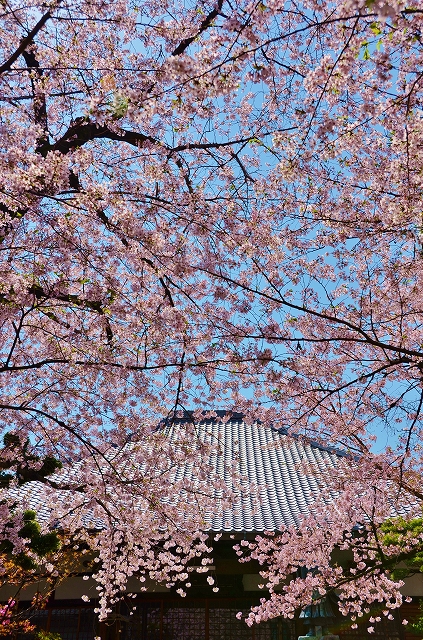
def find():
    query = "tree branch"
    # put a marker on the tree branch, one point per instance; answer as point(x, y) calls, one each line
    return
point(26, 41)
point(40, 108)
point(207, 22)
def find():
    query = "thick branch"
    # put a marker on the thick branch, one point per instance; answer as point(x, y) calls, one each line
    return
point(40, 108)
point(25, 42)
point(80, 132)
point(207, 22)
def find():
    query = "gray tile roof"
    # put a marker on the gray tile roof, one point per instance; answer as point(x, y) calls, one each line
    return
point(264, 456)
point(268, 458)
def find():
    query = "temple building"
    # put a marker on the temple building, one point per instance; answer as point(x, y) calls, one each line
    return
point(264, 457)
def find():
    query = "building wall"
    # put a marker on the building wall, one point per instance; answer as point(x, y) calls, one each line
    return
point(169, 617)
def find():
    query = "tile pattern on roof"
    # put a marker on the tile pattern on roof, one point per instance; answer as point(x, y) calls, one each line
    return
point(264, 456)
point(268, 458)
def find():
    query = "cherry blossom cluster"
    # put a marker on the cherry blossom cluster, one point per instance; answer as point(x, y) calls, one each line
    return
point(6, 612)
point(340, 548)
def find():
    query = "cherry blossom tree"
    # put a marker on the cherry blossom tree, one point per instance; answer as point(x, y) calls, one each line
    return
point(202, 205)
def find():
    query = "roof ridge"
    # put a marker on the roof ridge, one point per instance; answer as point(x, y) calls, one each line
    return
point(238, 416)
point(314, 443)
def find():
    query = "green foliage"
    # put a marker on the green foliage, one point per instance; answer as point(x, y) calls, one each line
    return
point(119, 106)
point(11, 440)
point(398, 527)
point(366, 53)
point(23, 561)
point(49, 466)
point(39, 543)
point(400, 533)
point(375, 27)
point(5, 479)
point(23, 462)
point(47, 635)
point(45, 544)
point(417, 625)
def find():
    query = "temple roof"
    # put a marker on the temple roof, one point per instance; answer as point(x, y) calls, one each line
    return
point(264, 457)
point(268, 458)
